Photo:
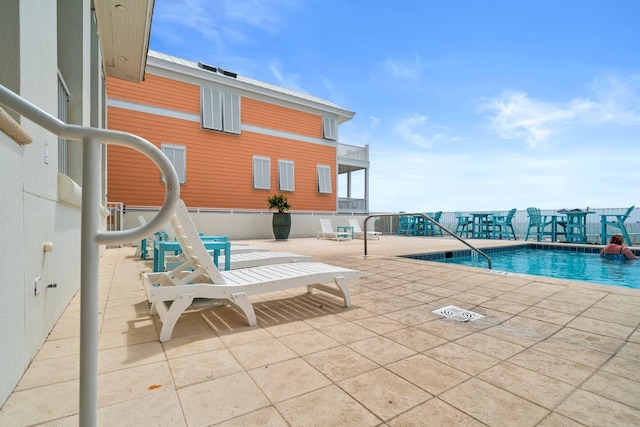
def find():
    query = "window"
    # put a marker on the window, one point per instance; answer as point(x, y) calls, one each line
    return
point(329, 128)
point(63, 100)
point(261, 173)
point(324, 179)
point(220, 110)
point(177, 155)
point(285, 175)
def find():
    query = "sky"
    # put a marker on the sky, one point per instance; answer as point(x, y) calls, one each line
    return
point(466, 105)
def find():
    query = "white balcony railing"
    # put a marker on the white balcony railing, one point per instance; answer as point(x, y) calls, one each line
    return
point(346, 204)
point(353, 152)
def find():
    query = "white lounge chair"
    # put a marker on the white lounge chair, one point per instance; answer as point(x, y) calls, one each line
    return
point(257, 259)
point(328, 233)
point(243, 248)
point(359, 234)
point(250, 259)
point(171, 293)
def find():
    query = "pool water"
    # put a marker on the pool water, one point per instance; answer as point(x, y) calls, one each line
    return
point(588, 267)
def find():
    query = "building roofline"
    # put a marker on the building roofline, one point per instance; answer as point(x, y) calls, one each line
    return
point(221, 77)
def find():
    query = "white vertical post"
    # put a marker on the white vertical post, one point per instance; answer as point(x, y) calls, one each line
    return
point(366, 184)
point(91, 236)
point(89, 259)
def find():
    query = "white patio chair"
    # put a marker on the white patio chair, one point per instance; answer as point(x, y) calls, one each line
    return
point(252, 259)
point(171, 293)
point(327, 231)
point(359, 233)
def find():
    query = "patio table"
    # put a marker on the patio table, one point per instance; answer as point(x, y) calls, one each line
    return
point(480, 226)
point(576, 227)
point(346, 229)
point(160, 247)
point(554, 226)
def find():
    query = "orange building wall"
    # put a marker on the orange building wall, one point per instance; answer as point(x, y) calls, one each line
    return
point(271, 116)
point(218, 165)
point(158, 92)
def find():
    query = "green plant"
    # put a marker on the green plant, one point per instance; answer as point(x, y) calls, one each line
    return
point(279, 202)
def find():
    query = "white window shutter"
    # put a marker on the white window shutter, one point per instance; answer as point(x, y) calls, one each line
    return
point(211, 109)
point(324, 179)
point(177, 155)
point(231, 112)
point(286, 175)
point(330, 128)
point(261, 173)
point(180, 163)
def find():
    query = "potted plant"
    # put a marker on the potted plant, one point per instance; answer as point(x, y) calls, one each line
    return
point(281, 222)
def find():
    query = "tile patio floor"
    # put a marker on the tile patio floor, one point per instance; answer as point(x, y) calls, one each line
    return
point(548, 353)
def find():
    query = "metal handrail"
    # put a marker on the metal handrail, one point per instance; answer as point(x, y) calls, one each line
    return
point(91, 236)
point(433, 221)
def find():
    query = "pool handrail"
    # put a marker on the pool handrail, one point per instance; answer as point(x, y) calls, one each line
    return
point(433, 221)
point(91, 237)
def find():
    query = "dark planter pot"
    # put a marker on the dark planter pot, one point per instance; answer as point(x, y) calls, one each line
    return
point(281, 225)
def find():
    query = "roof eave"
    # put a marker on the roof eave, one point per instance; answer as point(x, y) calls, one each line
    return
point(124, 27)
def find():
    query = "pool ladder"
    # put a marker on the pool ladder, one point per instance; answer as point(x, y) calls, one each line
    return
point(434, 222)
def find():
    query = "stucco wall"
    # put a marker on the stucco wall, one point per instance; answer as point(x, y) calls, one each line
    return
point(251, 225)
point(30, 213)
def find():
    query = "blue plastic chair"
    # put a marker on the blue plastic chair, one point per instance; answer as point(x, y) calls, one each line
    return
point(430, 228)
point(406, 225)
point(462, 225)
point(538, 223)
point(617, 223)
point(503, 226)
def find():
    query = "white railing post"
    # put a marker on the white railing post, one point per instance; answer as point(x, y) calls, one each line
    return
point(89, 284)
point(91, 236)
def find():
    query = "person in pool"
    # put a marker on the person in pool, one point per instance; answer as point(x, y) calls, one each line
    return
point(616, 249)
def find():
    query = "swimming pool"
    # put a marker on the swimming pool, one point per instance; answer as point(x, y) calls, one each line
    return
point(564, 262)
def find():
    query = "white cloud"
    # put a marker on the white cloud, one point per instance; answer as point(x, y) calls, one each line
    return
point(618, 100)
point(514, 115)
point(289, 81)
point(220, 21)
point(172, 17)
point(257, 13)
point(405, 70)
point(416, 130)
